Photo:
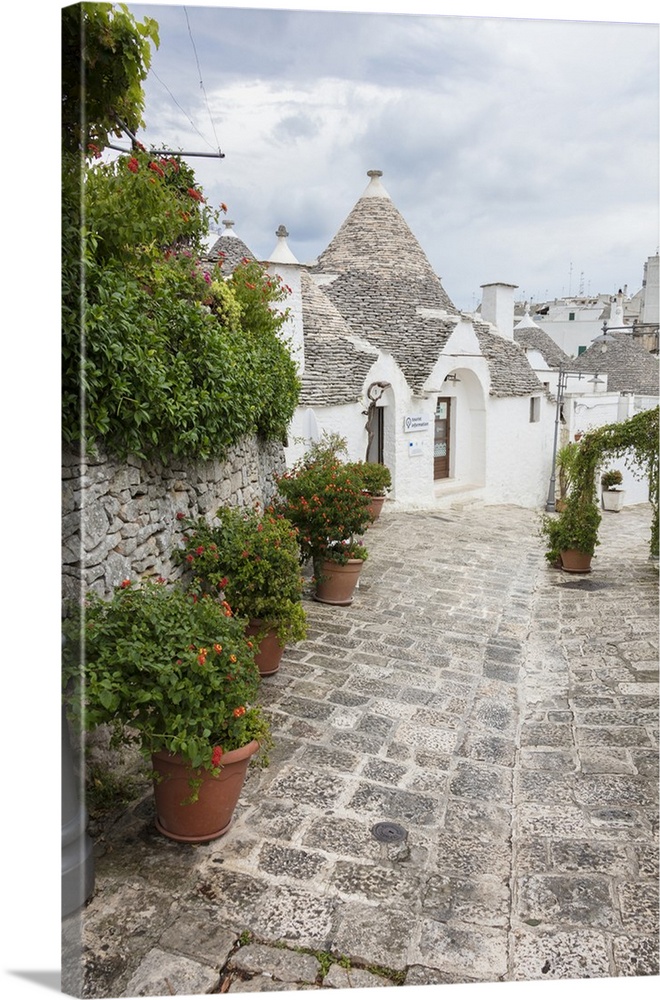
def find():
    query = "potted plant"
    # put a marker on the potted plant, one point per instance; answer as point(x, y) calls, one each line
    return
point(572, 535)
point(251, 561)
point(327, 504)
point(175, 673)
point(612, 492)
point(376, 482)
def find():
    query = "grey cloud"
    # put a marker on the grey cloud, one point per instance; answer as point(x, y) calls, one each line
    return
point(297, 126)
point(505, 143)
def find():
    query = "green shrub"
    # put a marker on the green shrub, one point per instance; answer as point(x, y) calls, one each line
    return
point(327, 504)
point(252, 562)
point(610, 478)
point(158, 665)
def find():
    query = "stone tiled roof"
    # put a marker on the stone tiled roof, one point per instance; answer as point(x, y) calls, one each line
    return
point(382, 309)
point(536, 339)
point(231, 250)
point(376, 238)
point(510, 371)
point(380, 280)
point(378, 277)
point(335, 365)
point(629, 367)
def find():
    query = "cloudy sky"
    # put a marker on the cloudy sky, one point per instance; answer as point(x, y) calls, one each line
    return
point(518, 150)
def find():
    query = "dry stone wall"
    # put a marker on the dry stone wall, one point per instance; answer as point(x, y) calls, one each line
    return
point(119, 519)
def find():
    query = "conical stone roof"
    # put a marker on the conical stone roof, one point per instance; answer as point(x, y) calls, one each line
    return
point(530, 336)
point(335, 365)
point(629, 367)
point(229, 250)
point(380, 280)
point(510, 372)
point(376, 238)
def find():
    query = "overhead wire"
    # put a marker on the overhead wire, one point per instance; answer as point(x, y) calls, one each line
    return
point(201, 82)
point(209, 144)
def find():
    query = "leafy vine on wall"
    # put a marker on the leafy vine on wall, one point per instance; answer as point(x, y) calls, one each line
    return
point(636, 442)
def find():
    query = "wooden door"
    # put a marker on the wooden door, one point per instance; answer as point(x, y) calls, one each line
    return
point(441, 438)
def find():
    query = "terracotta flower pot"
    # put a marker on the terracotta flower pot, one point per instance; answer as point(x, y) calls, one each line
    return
point(376, 506)
point(337, 583)
point(267, 650)
point(574, 561)
point(211, 814)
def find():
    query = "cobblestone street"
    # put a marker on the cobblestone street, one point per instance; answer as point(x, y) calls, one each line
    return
point(463, 788)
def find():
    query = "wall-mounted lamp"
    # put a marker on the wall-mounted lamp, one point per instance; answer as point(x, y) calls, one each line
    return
point(596, 381)
point(451, 378)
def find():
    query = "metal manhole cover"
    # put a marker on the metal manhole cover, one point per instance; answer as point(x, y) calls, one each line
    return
point(388, 833)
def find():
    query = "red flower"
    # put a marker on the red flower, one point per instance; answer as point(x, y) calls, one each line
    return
point(195, 194)
point(180, 516)
point(190, 558)
point(223, 207)
point(248, 284)
point(125, 584)
point(245, 554)
point(217, 754)
point(133, 165)
point(223, 583)
point(156, 169)
point(238, 712)
point(218, 648)
point(93, 148)
point(199, 550)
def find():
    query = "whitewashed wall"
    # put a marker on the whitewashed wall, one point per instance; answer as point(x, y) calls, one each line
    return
point(571, 335)
point(292, 329)
point(519, 452)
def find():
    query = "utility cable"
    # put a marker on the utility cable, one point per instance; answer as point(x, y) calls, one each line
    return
point(209, 144)
point(201, 82)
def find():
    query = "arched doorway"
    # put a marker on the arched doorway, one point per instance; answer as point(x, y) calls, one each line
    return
point(459, 442)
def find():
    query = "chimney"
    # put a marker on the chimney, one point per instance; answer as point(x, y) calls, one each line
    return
point(497, 306)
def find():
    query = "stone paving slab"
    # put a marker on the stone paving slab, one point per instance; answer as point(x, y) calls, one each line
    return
point(505, 714)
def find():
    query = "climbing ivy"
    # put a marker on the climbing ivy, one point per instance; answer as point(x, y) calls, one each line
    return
point(636, 441)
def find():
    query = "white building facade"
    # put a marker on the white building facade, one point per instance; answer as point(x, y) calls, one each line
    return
point(449, 403)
